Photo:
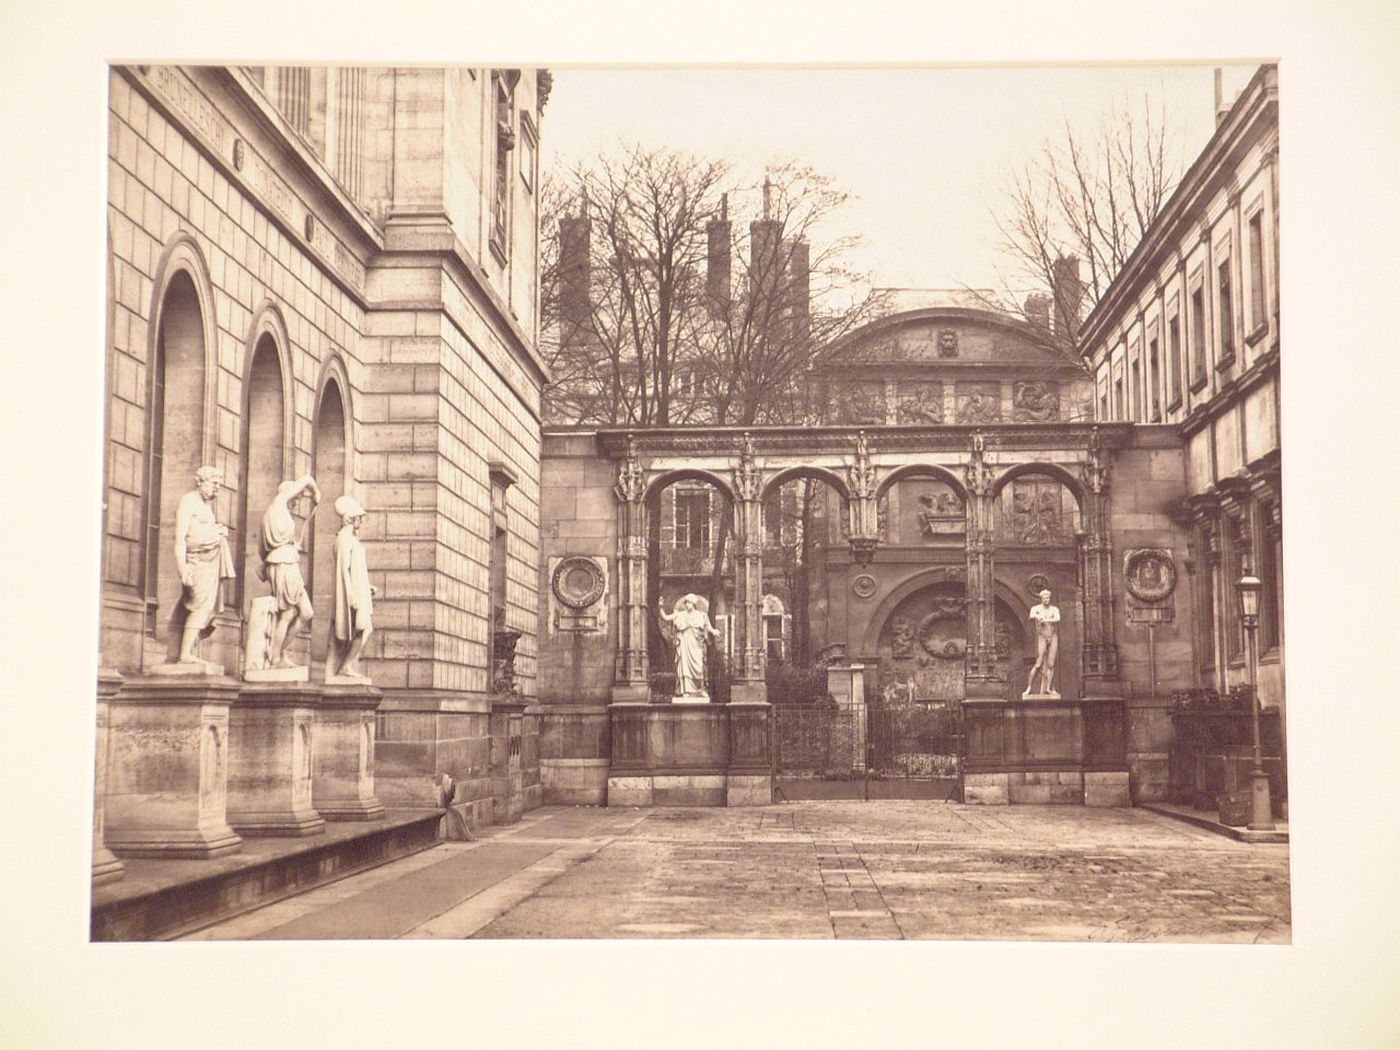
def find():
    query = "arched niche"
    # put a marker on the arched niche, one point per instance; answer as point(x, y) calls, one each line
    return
point(922, 470)
point(1038, 505)
point(178, 441)
point(262, 456)
point(690, 549)
point(330, 463)
point(805, 517)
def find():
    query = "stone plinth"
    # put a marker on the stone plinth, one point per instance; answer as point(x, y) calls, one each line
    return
point(1045, 750)
point(167, 767)
point(342, 767)
point(270, 760)
point(105, 866)
point(693, 755)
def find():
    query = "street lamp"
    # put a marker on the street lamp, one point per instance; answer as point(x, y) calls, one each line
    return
point(1261, 812)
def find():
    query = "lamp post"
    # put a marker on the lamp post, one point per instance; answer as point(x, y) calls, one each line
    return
point(1261, 812)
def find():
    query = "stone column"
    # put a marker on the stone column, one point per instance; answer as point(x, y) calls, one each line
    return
point(748, 681)
point(983, 679)
point(342, 770)
point(271, 758)
point(631, 677)
point(105, 866)
point(1099, 668)
point(167, 776)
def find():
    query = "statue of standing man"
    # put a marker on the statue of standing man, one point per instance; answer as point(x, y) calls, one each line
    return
point(203, 561)
point(1046, 618)
point(354, 595)
point(281, 554)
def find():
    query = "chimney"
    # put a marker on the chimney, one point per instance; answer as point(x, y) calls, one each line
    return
point(1037, 311)
point(763, 246)
point(719, 233)
point(799, 277)
point(1069, 297)
point(1222, 108)
point(575, 292)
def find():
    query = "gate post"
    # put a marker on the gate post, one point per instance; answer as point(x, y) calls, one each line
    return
point(748, 684)
point(1100, 656)
point(631, 677)
point(982, 675)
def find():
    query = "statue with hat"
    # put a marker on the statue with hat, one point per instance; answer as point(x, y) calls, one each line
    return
point(354, 595)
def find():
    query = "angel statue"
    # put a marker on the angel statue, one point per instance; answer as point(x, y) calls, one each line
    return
point(692, 627)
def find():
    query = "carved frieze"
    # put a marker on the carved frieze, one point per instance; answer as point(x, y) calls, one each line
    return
point(1035, 402)
point(860, 403)
point(978, 403)
point(920, 403)
point(940, 512)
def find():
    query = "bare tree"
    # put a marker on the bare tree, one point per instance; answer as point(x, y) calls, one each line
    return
point(1070, 218)
point(658, 313)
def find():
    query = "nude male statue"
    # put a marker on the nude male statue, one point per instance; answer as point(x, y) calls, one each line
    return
point(281, 554)
point(1046, 618)
point(203, 561)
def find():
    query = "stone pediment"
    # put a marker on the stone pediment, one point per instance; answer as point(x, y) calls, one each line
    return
point(948, 337)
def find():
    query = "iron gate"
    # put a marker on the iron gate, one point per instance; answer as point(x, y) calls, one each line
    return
point(879, 751)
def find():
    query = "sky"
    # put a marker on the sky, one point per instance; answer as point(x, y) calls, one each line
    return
point(924, 150)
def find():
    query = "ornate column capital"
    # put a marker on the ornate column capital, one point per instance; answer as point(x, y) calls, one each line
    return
point(631, 478)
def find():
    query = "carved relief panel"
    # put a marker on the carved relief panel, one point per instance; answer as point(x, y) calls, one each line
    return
point(1037, 511)
point(859, 403)
point(1035, 402)
point(920, 402)
point(978, 402)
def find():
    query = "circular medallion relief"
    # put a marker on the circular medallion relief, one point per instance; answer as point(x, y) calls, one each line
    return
point(863, 585)
point(239, 151)
point(1039, 582)
point(577, 582)
point(309, 227)
point(1149, 575)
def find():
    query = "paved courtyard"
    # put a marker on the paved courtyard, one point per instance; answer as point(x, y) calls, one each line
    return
point(889, 869)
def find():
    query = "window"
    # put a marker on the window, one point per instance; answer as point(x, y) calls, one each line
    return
point(1198, 338)
point(528, 151)
point(1154, 382)
point(1226, 312)
point(1257, 316)
point(1137, 390)
point(1174, 347)
point(503, 142)
point(693, 519)
point(1103, 405)
point(1269, 633)
point(1122, 402)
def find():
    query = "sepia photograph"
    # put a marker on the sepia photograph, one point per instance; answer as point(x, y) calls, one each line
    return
point(645, 527)
point(818, 541)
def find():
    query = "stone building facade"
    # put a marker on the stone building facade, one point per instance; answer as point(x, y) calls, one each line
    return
point(1187, 338)
point(329, 271)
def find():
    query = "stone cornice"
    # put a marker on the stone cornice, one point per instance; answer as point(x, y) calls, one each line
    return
point(1263, 368)
point(794, 440)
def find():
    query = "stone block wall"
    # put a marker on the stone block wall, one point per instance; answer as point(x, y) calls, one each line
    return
point(1147, 490)
point(578, 517)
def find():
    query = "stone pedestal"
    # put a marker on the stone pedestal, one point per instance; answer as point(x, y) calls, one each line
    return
point(105, 866)
point(167, 769)
point(690, 755)
point(270, 760)
point(342, 767)
point(1045, 750)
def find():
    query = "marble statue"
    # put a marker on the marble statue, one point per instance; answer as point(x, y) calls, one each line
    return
point(354, 595)
point(692, 626)
point(281, 554)
point(203, 561)
point(1046, 618)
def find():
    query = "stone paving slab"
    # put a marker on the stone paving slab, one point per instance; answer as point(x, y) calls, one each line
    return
point(817, 870)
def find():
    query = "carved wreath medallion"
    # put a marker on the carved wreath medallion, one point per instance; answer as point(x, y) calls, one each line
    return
point(863, 585)
point(1149, 573)
point(1038, 582)
point(578, 582)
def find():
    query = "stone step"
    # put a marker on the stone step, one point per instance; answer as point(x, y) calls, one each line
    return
point(162, 899)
